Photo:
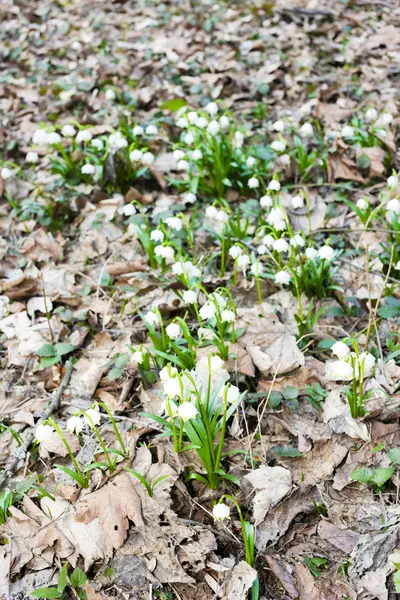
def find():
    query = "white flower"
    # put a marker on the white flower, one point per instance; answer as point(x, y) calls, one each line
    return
point(341, 370)
point(75, 424)
point(265, 202)
point(228, 316)
point(278, 145)
point(189, 138)
point(192, 117)
point(40, 137)
point(93, 413)
point(279, 126)
point(262, 249)
point(269, 241)
point(68, 131)
point(177, 268)
point(243, 262)
point(44, 433)
point(128, 210)
point(224, 122)
point(173, 330)
point(116, 141)
point(297, 241)
point(397, 266)
point(274, 185)
point(207, 311)
point(386, 118)
point(181, 123)
point(187, 411)
point(281, 245)
point(239, 139)
point(214, 363)
point(168, 372)
point(213, 127)
point(340, 349)
point(311, 253)
point(393, 181)
point(201, 123)
point(306, 130)
point(189, 297)
point(368, 360)
point(235, 251)
point(277, 218)
point(53, 138)
point(172, 387)
point(256, 268)
point(197, 155)
point(151, 130)
point(212, 108)
point(147, 159)
point(211, 212)
point(222, 216)
point(98, 144)
point(231, 392)
point(326, 252)
point(347, 131)
point(282, 277)
point(174, 223)
point(178, 154)
point(135, 155)
point(83, 136)
point(157, 236)
point(138, 130)
point(138, 357)
point(152, 318)
point(190, 198)
point(297, 202)
point(362, 204)
point(183, 165)
point(253, 183)
point(221, 511)
point(166, 252)
point(220, 300)
point(284, 159)
point(88, 169)
point(110, 95)
point(371, 115)
point(394, 206)
point(250, 162)
point(6, 173)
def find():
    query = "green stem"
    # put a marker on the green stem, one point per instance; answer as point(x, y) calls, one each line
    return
point(116, 430)
point(258, 289)
point(71, 454)
point(111, 466)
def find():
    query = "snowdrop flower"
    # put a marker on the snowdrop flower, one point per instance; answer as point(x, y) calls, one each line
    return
point(228, 316)
point(284, 159)
point(279, 126)
point(362, 204)
point(207, 311)
point(265, 202)
point(138, 130)
point(281, 245)
point(83, 136)
point(282, 277)
point(222, 216)
point(183, 165)
point(178, 154)
point(174, 223)
point(98, 144)
point(211, 212)
point(173, 331)
point(269, 241)
point(53, 138)
point(224, 122)
point(341, 370)
point(221, 511)
point(192, 117)
point(278, 145)
point(157, 236)
point(250, 162)
point(128, 210)
point(151, 130)
point(6, 173)
point(40, 137)
point(201, 123)
point(386, 118)
point(393, 181)
point(172, 387)
point(75, 424)
point(347, 131)
point(187, 411)
point(136, 155)
point(212, 108)
point(189, 138)
point(231, 392)
point(110, 95)
point(235, 251)
point(68, 131)
point(253, 183)
point(326, 253)
point(297, 241)
point(138, 357)
point(311, 253)
point(93, 414)
point(371, 115)
point(243, 262)
point(152, 318)
point(306, 130)
point(44, 433)
point(189, 198)
point(239, 139)
point(340, 349)
point(116, 141)
point(394, 206)
point(147, 159)
point(277, 218)
point(213, 127)
point(165, 252)
point(189, 297)
point(274, 185)
point(256, 269)
point(88, 169)
point(297, 202)
point(197, 155)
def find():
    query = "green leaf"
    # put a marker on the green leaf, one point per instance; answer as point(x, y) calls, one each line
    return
point(108, 572)
point(363, 161)
point(326, 344)
point(381, 475)
point(62, 580)
point(47, 350)
point(378, 448)
point(48, 362)
point(363, 474)
point(274, 400)
point(115, 373)
point(390, 309)
point(394, 456)
point(49, 592)
point(173, 105)
point(290, 392)
point(78, 578)
point(396, 580)
point(64, 348)
point(287, 451)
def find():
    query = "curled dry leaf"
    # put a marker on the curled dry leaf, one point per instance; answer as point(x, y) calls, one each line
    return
point(272, 484)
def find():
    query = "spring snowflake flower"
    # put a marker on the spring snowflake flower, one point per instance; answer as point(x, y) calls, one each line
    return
point(243, 262)
point(53, 138)
point(347, 131)
point(262, 249)
point(297, 202)
point(147, 159)
point(189, 297)
point(138, 357)
point(168, 372)
point(178, 154)
point(253, 183)
point(238, 139)
point(207, 311)
point(326, 252)
point(368, 359)
point(157, 236)
point(297, 241)
point(311, 253)
point(166, 252)
point(340, 349)
point(116, 142)
point(341, 370)
point(44, 433)
point(174, 223)
point(192, 117)
point(138, 130)
point(371, 115)
point(6, 173)
point(94, 414)
point(152, 318)
point(187, 411)
point(202, 123)
point(386, 118)
point(110, 95)
point(128, 210)
point(277, 218)
point(197, 155)
point(189, 138)
point(393, 181)
point(306, 130)
point(232, 393)
point(265, 202)
point(268, 240)
point(98, 144)
point(278, 145)
point(136, 155)
point(88, 169)
point(173, 331)
point(189, 198)
point(32, 157)
point(211, 212)
point(214, 363)
point(250, 162)
point(284, 160)
point(274, 185)
point(40, 137)
point(224, 122)
point(172, 387)
point(282, 277)
point(83, 136)
point(235, 251)
point(281, 245)
point(177, 268)
point(222, 216)
point(213, 127)
point(75, 424)
point(68, 131)
point(183, 165)
point(256, 269)
point(151, 130)
point(182, 123)
point(362, 204)
point(212, 108)
point(228, 316)
point(221, 512)
point(279, 126)
point(393, 206)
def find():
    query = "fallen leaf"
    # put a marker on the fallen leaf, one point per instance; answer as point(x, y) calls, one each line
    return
point(272, 484)
point(240, 581)
point(337, 414)
point(344, 539)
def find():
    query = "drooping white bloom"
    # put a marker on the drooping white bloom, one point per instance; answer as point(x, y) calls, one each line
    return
point(213, 127)
point(138, 357)
point(211, 212)
point(284, 159)
point(157, 236)
point(93, 413)
point(53, 138)
point(231, 392)
point(174, 223)
point(222, 216)
point(151, 130)
point(397, 266)
point(128, 210)
point(172, 387)
point(297, 202)
point(368, 360)
point(178, 154)
point(262, 249)
point(168, 372)
point(83, 136)
point(6, 173)
point(297, 241)
point(340, 349)
point(386, 118)
point(362, 204)
point(281, 245)
point(183, 165)
point(189, 297)
point(282, 277)
point(235, 251)
point(347, 131)
point(197, 155)
point(147, 159)
point(201, 123)
point(256, 269)
point(279, 126)
point(278, 145)
point(173, 331)
point(98, 144)
point(88, 169)
point(117, 141)
point(189, 198)
point(326, 252)
point(207, 311)
point(228, 316)
point(243, 262)
point(110, 95)
point(277, 218)
point(138, 130)
point(152, 318)
point(224, 122)
point(75, 424)
point(306, 130)
point(44, 433)
point(177, 268)
point(40, 137)
point(239, 139)
point(189, 138)
point(221, 512)
point(341, 370)
point(265, 202)
point(250, 162)
point(393, 181)
point(371, 115)
point(268, 240)
point(311, 253)
point(166, 252)
point(274, 185)
point(212, 108)
point(393, 206)
point(136, 155)
point(214, 363)
point(187, 411)
point(253, 183)
point(68, 131)
point(192, 117)
point(32, 157)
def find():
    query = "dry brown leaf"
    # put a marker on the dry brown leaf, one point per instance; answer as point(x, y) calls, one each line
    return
point(341, 167)
point(376, 157)
point(306, 584)
point(344, 539)
point(337, 414)
point(283, 571)
point(240, 581)
point(318, 464)
point(272, 484)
